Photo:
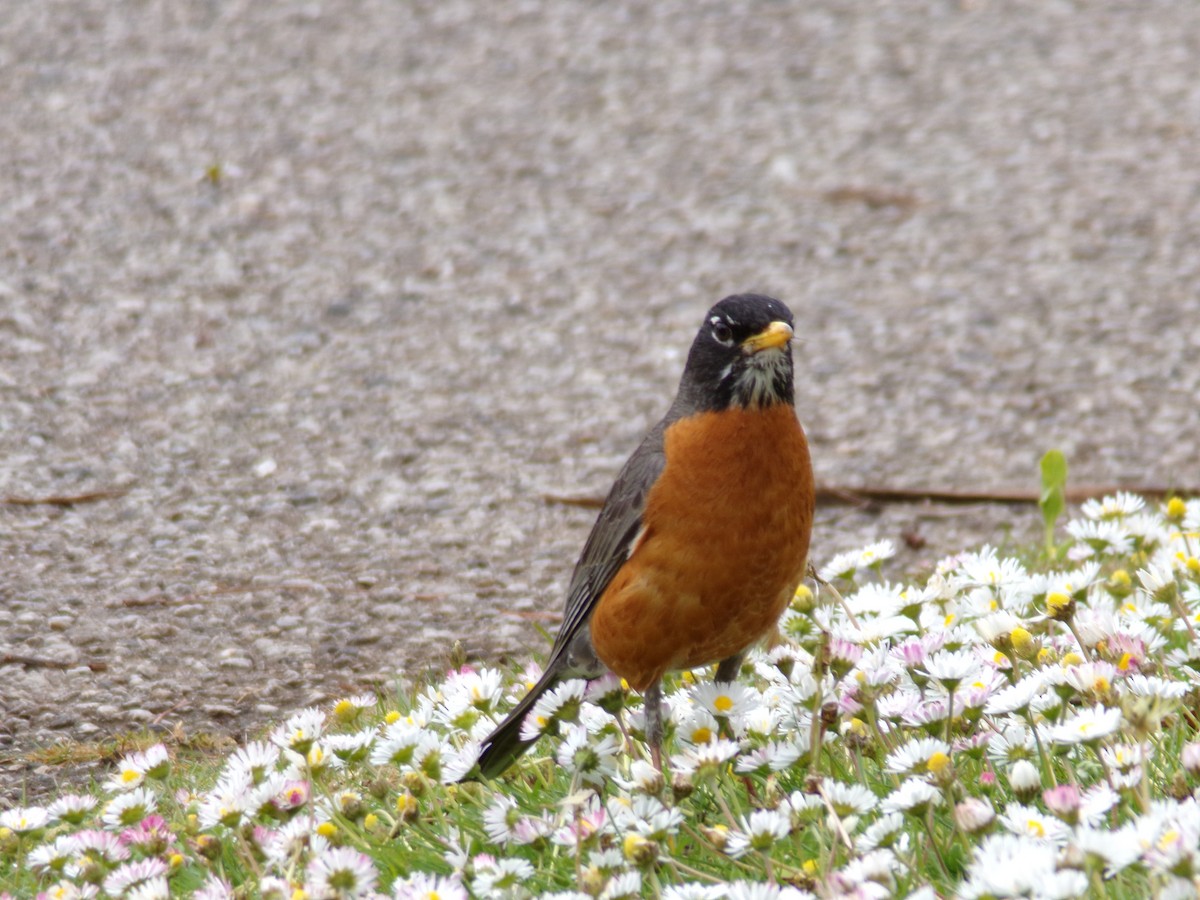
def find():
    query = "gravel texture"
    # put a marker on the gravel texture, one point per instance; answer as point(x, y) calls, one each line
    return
point(337, 291)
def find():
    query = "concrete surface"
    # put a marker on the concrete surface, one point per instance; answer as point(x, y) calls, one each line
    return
point(338, 290)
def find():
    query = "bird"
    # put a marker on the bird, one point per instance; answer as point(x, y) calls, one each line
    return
point(703, 539)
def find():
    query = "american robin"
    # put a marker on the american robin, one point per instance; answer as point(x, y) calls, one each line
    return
point(703, 538)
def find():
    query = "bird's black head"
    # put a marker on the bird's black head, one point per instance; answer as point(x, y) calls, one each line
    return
point(742, 356)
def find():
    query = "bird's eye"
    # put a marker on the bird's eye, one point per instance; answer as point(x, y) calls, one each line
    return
point(722, 333)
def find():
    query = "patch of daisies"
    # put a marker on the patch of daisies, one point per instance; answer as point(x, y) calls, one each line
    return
point(997, 731)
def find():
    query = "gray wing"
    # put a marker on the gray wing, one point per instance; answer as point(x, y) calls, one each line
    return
point(615, 530)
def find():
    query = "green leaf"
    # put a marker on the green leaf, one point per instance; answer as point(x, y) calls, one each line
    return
point(1053, 500)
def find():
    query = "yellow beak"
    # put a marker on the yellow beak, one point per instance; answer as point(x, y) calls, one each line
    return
point(774, 335)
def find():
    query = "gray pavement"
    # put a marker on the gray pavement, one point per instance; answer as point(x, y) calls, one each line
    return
point(337, 291)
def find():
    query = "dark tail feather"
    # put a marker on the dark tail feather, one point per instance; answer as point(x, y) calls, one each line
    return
point(504, 746)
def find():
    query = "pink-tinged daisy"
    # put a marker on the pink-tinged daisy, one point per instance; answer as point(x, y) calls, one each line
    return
point(102, 846)
point(973, 815)
point(151, 835)
point(214, 888)
point(590, 819)
point(911, 653)
point(1190, 757)
point(131, 874)
point(151, 889)
point(287, 794)
point(341, 872)
point(1064, 801)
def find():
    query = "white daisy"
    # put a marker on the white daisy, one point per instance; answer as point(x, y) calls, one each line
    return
point(758, 831)
point(341, 872)
point(1088, 726)
point(913, 796)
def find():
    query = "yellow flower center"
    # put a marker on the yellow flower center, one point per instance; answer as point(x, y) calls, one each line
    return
point(938, 763)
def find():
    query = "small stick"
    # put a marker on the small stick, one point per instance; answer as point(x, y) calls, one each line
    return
point(66, 500)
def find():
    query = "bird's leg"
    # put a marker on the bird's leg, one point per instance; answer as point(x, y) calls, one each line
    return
point(727, 673)
point(729, 668)
point(652, 706)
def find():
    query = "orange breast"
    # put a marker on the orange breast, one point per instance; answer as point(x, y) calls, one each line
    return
point(725, 541)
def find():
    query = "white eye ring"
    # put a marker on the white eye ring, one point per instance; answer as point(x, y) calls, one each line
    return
point(721, 332)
